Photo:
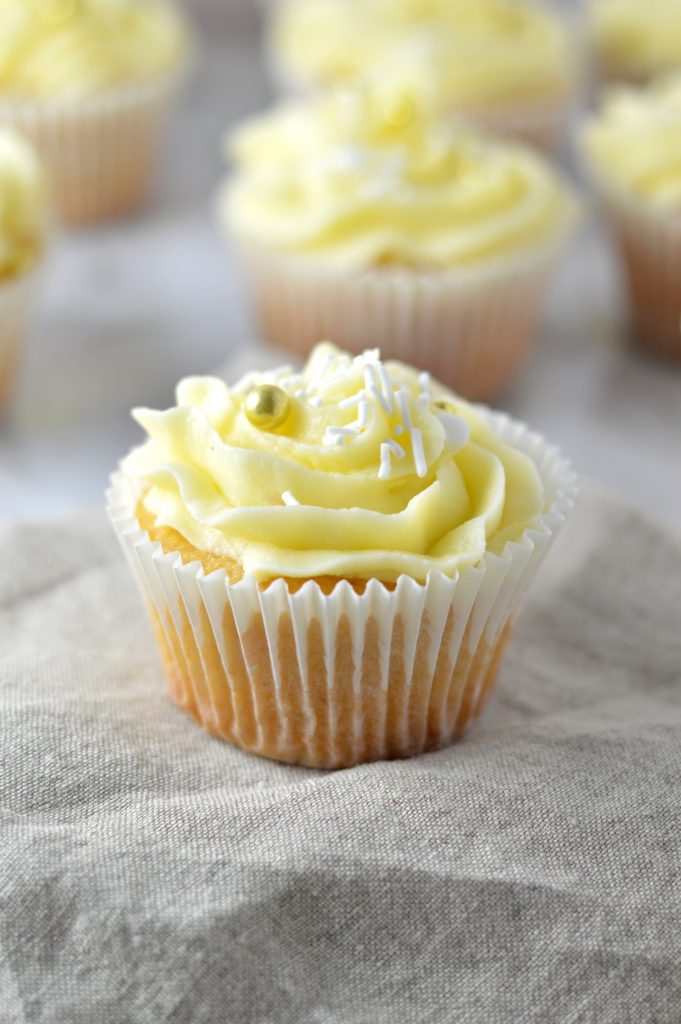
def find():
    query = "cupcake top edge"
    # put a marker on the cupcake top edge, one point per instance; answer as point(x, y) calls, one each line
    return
point(351, 468)
point(634, 141)
point(637, 38)
point(478, 51)
point(23, 206)
point(60, 50)
point(367, 176)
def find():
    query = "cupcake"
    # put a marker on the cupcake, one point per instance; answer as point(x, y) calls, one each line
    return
point(634, 41)
point(511, 67)
point(91, 82)
point(632, 147)
point(23, 230)
point(374, 222)
point(334, 560)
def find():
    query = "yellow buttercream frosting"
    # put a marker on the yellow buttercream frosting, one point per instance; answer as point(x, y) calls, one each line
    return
point(23, 205)
point(376, 471)
point(53, 49)
point(639, 38)
point(635, 141)
point(357, 179)
point(475, 51)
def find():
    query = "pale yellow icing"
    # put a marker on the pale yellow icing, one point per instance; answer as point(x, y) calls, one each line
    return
point(476, 51)
point(75, 48)
point(357, 180)
point(23, 206)
point(635, 141)
point(638, 37)
point(368, 477)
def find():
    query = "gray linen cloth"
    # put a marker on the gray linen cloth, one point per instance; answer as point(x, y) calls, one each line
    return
point(532, 872)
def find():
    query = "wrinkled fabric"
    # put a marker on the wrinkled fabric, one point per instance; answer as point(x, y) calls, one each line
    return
point(531, 873)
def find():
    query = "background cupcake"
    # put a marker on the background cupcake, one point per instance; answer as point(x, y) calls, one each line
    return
point(510, 67)
point(23, 227)
point(90, 82)
point(635, 40)
point(367, 537)
point(633, 150)
point(377, 223)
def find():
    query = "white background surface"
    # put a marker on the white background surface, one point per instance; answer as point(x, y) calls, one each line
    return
point(130, 309)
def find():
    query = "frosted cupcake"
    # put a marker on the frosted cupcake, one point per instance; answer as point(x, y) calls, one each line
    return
point(23, 228)
point(510, 66)
point(334, 560)
point(633, 149)
point(635, 41)
point(91, 82)
point(375, 223)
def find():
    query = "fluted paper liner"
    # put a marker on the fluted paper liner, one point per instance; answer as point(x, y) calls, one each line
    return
point(472, 328)
point(332, 680)
point(648, 241)
point(16, 302)
point(100, 152)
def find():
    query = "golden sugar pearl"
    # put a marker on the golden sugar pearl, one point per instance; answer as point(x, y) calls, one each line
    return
point(267, 406)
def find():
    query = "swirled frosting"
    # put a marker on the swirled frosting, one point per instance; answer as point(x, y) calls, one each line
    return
point(639, 38)
point(477, 51)
point(635, 141)
point(23, 205)
point(357, 180)
point(376, 472)
point(75, 48)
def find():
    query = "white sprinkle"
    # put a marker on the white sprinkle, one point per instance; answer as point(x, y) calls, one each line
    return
point(371, 377)
point(399, 430)
point(395, 448)
point(424, 400)
point(344, 431)
point(419, 454)
point(315, 402)
point(386, 386)
point(353, 400)
point(332, 440)
point(302, 393)
point(378, 397)
point(404, 408)
point(386, 467)
point(363, 414)
point(288, 499)
point(424, 381)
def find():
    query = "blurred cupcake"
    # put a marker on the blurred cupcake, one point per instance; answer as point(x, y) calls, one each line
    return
point(510, 66)
point(635, 40)
point(334, 560)
point(379, 224)
point(633, 150)
point(91, 82)
point(23, 229)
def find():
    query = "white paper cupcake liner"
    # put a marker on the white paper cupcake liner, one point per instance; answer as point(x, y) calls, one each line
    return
point(472, 328)
point(101, 152)
point(648, 241)
point(17, 298)
point(332, 680)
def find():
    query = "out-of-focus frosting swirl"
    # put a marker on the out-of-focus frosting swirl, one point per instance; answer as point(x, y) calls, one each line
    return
point(75, 48)
point(23, 205)
point(637, 38)
point(358, 180)
point(368, 477)
point(475, 50)
point(635, 141)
